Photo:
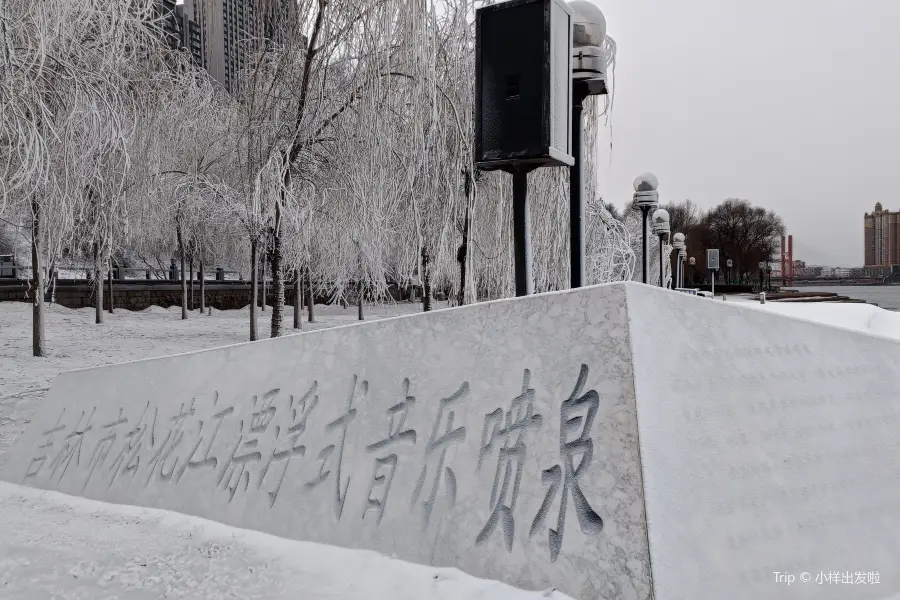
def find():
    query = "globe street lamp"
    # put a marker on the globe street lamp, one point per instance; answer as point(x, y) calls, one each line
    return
point(661, 228)
point(693, 262)
point(588, 79)
point(729, 263)
point(679, 246)
point(646, 198)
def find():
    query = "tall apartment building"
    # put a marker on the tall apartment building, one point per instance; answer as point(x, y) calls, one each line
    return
point(164, 18)
point(193, 10)
point(177, 29)
point(191, 38)
point(881, 234)
point(232, 31)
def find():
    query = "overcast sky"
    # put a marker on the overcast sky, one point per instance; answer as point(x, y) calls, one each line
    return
point(791, 104)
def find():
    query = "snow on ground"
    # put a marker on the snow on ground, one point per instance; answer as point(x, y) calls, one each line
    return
point(867, 318)
point(59, 546)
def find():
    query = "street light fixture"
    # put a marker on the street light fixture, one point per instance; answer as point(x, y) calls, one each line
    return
point(693, 262)
point(588, 79)
point(729, 263)
point(588, 35)
point(679, 245)
point(661, 228)
point(646, 198)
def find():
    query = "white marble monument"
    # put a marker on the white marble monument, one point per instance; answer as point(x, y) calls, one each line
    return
point(578, 440)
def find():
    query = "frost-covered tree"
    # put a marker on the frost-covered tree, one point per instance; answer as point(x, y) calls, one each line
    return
point(343, 153)
point(189, 153)
point(66, 75)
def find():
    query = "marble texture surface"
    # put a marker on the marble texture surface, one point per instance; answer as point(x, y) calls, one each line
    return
point(499, 438)
point(769, 445)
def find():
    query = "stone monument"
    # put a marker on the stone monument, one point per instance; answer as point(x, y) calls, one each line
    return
point(616, 442)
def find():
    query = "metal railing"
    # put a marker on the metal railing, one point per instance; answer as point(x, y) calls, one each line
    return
point(11, 274)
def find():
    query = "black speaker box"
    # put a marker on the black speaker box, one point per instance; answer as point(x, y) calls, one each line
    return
point(523, 86)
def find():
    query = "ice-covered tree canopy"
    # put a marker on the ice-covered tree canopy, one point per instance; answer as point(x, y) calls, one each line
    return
point(342, 154)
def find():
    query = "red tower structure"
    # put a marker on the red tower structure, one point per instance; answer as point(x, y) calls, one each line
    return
point(787, 260)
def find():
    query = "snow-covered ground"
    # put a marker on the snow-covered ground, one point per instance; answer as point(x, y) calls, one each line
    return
point(62, 547)
point(860, 317)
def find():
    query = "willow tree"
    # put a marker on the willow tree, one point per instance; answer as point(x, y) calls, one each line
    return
point(189, 150)
point(432, 140)
point(65, 78)
point(312, 71)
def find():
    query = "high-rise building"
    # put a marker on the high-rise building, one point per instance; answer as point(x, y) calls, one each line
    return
point(179, 31)
point(166, 21)
point(881, 234)
point(194, 10)
point(191, 39)
point(233, 30)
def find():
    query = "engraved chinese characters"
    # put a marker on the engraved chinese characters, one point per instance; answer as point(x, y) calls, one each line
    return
point(567, 478)
point(519, 418)
point(494, 438)
point(341, 447)
point(386, 463)
point(436, 452)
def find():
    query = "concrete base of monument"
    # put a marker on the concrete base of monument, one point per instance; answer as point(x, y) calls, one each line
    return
point(580, 440)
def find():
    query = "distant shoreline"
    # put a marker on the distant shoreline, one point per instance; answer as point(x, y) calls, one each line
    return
point(843, 284)
point(884, 296)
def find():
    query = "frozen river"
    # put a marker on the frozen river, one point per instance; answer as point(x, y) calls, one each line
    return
point(885, 296)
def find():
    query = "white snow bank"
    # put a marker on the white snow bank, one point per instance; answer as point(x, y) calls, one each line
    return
point(859, 317)
point(64, 547)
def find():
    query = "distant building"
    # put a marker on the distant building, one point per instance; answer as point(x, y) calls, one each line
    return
point(803, 271)
point(178, 30)
point(231, 31)
point(881, 234)
point(842, 272)
point(193, 10)
point(165, 19)
point(191, 39)
point(877, 271)
point(807, 272)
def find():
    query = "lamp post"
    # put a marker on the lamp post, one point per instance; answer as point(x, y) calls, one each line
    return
point(729, 263)
point(693, 262)
point(646, 198)
point(588, 79)
point(661, 228)
point(522, 233)
point(768, 276)
point(762, 267)
point(679, 246)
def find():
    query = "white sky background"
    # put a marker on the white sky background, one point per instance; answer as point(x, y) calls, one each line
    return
point(791, 104)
